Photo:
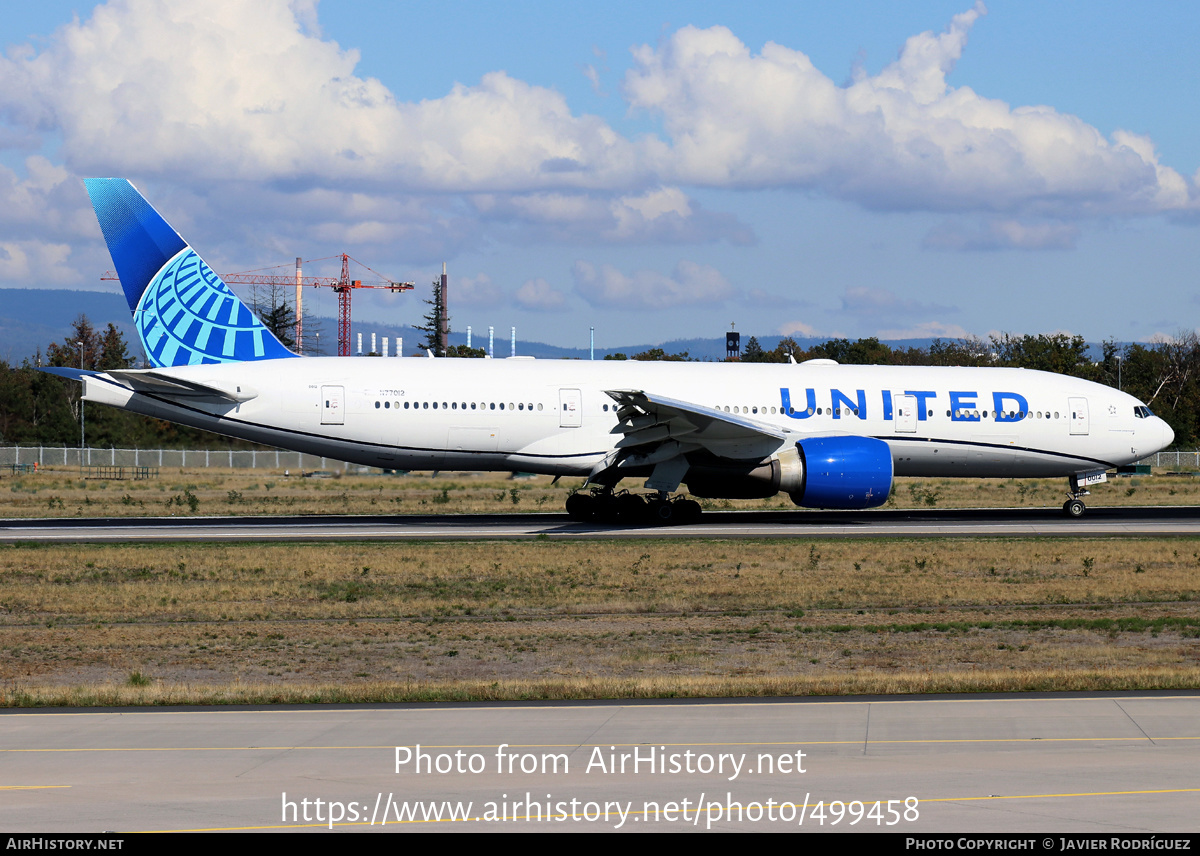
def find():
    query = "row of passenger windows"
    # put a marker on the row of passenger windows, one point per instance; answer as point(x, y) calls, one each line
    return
point(853, 411)
point(387, 404)
point(454, 405)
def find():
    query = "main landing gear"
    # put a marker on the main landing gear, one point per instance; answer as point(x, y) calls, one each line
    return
point(1074, 507)
point(607, 506)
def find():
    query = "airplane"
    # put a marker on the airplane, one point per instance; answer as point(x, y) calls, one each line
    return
point(828, 435)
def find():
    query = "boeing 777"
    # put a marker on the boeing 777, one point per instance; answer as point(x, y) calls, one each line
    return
point(827, 435)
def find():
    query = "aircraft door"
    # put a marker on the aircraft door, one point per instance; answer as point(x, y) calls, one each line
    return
point(905, 407)
point(1079, 415)
point(333, 405)
point(570, 408)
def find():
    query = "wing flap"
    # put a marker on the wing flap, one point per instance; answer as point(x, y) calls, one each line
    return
point(658, 429)
point(642, 414)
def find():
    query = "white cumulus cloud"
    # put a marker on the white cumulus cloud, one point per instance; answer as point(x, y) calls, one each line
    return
point(902, 139)
point(540, 296)
point(476, 290)
point(226, 89)
point(689, 284)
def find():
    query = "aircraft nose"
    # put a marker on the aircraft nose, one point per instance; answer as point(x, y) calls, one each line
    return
point(1168, 434)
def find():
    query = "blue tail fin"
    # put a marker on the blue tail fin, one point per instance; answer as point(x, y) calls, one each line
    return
point(184, 313)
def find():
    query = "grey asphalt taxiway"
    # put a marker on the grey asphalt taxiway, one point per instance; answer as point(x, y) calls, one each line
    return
point(1141, 521)
point(1095, 764)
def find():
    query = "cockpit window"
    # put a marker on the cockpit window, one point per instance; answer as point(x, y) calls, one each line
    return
point(1142, 412)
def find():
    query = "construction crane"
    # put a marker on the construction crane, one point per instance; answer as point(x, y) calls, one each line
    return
point(342, 285)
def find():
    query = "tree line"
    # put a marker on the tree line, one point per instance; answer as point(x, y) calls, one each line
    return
point(41, 409)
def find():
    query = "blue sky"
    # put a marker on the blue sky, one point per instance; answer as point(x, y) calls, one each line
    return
point(656, 169)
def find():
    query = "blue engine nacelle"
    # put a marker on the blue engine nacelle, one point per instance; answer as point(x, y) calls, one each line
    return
point(844, 472)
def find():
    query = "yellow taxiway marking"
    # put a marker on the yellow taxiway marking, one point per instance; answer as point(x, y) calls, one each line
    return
point(30, 787)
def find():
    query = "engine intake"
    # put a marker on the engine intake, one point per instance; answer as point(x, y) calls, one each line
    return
point(844, 472)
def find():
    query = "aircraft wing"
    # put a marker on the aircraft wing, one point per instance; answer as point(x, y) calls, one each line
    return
point(660, 431)
point(160, 382)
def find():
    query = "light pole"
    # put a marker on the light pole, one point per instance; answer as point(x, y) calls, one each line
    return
point(82, 442)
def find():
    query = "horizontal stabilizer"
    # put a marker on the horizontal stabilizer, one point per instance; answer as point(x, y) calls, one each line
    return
point(69, 373)
point(163, 383)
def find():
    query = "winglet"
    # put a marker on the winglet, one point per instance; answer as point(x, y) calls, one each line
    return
point(184, 313)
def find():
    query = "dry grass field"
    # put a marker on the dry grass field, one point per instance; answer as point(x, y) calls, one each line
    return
point(224, 623)
point(218, 492)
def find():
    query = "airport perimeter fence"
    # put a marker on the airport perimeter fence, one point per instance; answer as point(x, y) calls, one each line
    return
point(279, 459)
point(1174, 460)
point(69, 456)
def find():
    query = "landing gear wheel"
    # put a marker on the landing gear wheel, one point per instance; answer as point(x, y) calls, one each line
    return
point(581, 506)
point(687, 511)
point(1074, 508)
point(631, 508)
point(605, 509)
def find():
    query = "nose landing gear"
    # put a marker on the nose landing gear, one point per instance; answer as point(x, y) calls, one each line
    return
point(1074, 507)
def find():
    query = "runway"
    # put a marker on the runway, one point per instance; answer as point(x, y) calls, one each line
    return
point(1091, 764)
point(1137, 521)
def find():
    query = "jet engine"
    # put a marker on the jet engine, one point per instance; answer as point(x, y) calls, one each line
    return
point(844, 472)
point(818, 472)
point(747, 479)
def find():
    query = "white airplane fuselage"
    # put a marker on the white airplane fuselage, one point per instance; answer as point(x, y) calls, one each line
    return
point(555, 417)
